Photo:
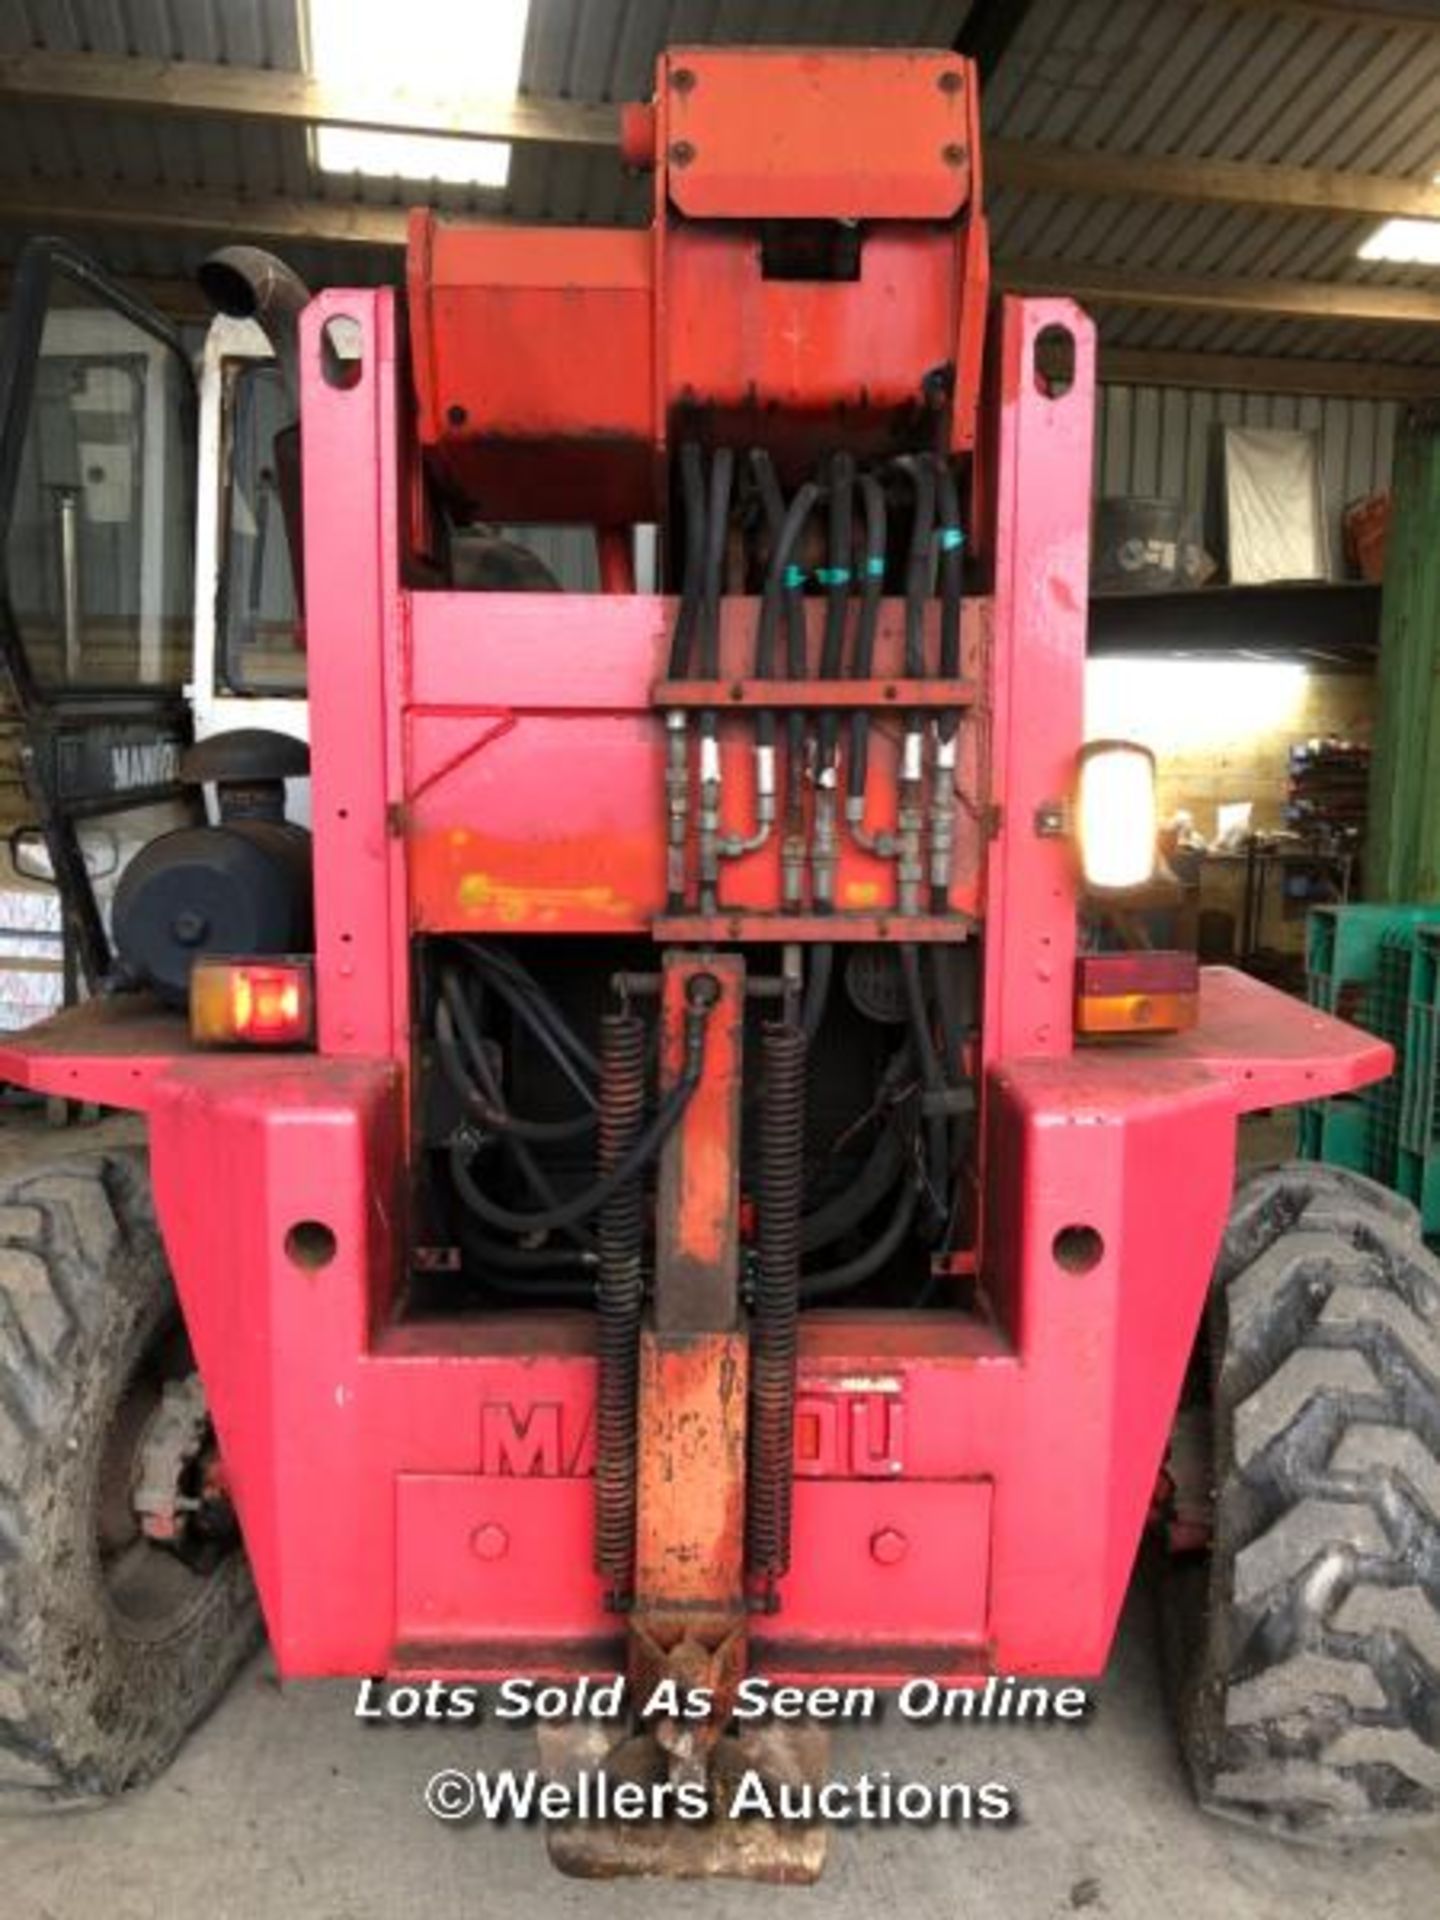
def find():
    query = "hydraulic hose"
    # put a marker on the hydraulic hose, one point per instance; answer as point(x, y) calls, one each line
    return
point(864, 1193)
point(817, 989)
point(885, 844)
point(477, 1102)
point(911, 820)
point(545, 1023)
point(498, 960)
point(835, 578)
point(932, 1077)
point(717, 528)
point(677, 730)
point(942, 788)
point(641, 1151)
point(528, 1271)
point(783, 583)
point(692, 487)
point(533, 1173)
point(842, 1279)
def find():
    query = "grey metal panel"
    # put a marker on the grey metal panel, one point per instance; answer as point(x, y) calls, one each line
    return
point(1158, 442)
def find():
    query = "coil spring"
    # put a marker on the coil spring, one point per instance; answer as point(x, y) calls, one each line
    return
point(620, 1298)
point(775, 1332)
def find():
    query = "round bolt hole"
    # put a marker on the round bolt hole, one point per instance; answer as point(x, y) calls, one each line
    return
point(1077, 1249)
point(310, 1244)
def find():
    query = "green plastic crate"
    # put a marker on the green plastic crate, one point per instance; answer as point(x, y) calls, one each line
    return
point(1361, 965)
point(1417, 1163)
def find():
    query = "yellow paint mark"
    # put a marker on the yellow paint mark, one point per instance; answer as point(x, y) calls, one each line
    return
point(862, 893)
point(516, 904)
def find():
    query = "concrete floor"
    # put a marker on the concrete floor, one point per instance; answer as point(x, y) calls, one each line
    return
point(283, 1804)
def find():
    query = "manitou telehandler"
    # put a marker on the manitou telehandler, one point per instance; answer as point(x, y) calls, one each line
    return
point(722, 1190)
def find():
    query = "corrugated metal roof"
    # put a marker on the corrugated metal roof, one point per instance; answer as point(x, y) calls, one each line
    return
point(1199, 78)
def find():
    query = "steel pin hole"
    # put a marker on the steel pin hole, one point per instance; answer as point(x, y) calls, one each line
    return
point(1054, 361)
point(310, 1245)
point(1078, 1249)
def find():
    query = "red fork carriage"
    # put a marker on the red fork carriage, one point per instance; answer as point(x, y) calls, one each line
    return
point(704, 1456)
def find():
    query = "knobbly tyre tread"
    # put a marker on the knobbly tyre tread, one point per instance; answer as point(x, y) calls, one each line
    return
point(1314, 1705)
point(88, 1705)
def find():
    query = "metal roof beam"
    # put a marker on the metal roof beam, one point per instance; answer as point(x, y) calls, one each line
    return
point(261, 93)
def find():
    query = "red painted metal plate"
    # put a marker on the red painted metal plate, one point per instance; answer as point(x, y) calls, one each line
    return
point(1271, 1048)
point(887, 1561)
point(475, 1561)
point(828, 135)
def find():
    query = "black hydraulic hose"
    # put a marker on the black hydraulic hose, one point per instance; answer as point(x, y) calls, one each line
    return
point(917, 575)
point(530, 1168)
point(785, 529)
point(873, 586)
point(524, 1269)
point(952, 543)
point(835, 578)
point(717, 527)
point(817, 989)
point(864, 1193)
point(692, 484)
point(498, 960)
point(821, 1286)
point(716, 534)
point(478, 1103)
point(677, 726)
point(542, 1027)
point(932, 1074)
point(951, 539)
point(638, 1156)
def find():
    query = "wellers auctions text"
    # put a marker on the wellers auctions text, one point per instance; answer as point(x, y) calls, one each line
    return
point(524, 1701)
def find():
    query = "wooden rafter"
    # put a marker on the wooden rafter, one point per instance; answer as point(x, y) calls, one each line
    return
point(254, 93)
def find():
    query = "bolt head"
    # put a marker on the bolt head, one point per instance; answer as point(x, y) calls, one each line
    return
point(888, 1546)
point(490, 1541)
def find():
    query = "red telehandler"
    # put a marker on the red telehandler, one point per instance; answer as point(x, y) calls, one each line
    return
point(680, 1169)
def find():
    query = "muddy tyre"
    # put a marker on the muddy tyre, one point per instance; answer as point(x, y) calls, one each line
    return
point(112, 1646)
point(1313, 1707)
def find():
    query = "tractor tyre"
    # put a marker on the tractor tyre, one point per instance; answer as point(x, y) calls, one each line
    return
point(112, 1644)
point(1313, 1707)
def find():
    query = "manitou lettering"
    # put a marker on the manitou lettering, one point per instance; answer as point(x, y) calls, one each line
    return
point(155, 764)
point(842, 1432)
point(546, 1441)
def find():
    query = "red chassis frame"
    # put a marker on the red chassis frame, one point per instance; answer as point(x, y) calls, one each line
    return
point(417, 1497)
